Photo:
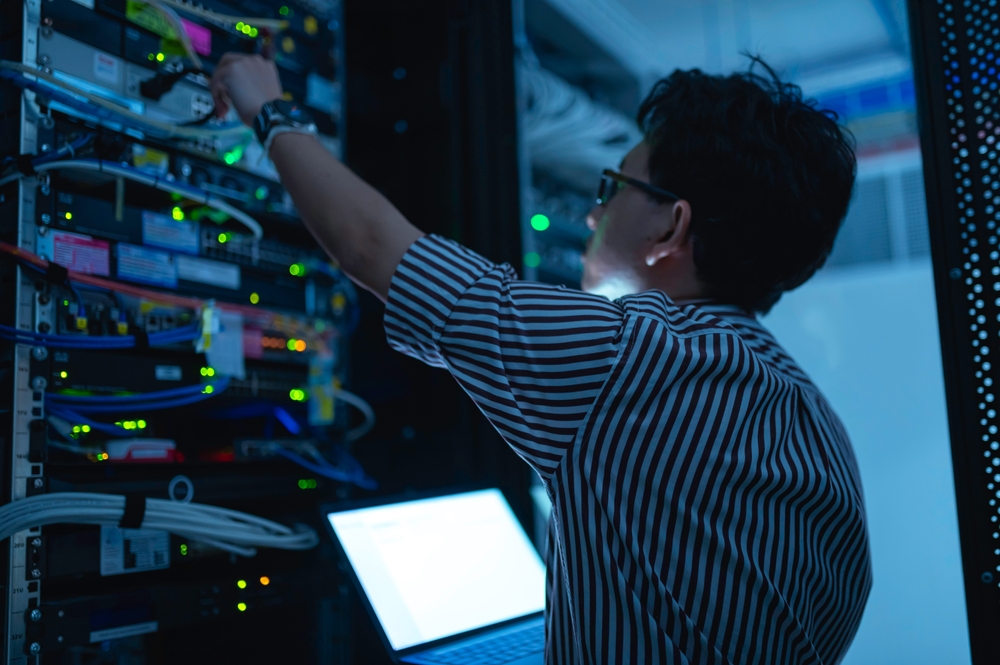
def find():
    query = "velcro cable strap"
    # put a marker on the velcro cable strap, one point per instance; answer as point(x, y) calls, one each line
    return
point(135, 512)
point(25, 165)
point(56, 273)
point(141, 337)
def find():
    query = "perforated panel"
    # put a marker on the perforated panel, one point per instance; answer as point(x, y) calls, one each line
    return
point(957, 70)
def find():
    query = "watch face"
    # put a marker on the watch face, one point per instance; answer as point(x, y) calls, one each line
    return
point(293, 111)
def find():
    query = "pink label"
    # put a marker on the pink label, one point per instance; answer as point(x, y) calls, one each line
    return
point(252, 343)
point(201, 38)
point(80, 253)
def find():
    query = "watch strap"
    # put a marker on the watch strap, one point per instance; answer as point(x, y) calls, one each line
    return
point(281, 129)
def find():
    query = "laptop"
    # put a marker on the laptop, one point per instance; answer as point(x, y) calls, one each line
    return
point(448, 579)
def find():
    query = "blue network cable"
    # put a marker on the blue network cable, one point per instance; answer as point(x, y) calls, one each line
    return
point(178, 335)
point(73, 408)
point(355, 474)
point(347, 470)
point(152, 400)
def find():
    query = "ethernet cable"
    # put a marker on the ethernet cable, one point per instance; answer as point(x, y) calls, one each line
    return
point(46, 84)
point(225, 19)
point(68, 149)
point(151, 401)
point(291, 325)
point(175, 23)
point(226, 529)
point(72, 408)
point(189, 333)
point(153, 180)
point(361, 405)
point(353, 474)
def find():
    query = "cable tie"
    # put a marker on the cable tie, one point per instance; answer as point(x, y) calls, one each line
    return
point(56, 273)
point(134, 513)
point(25, 165)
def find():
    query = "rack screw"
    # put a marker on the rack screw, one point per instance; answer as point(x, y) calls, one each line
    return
point(36, 614)
point(35, 572)
point(39, 383)
point(38, 485)
point(40, 353)
point(37, 542)
point(46, 218)
point(35, 648)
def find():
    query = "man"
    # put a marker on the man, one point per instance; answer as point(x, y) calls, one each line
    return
point(707, 506)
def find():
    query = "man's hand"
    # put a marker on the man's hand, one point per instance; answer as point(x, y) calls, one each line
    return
point(246, 82)
point(355, 224)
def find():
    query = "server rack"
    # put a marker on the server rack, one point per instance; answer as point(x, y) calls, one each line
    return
point(168, 327)
point(955, 50)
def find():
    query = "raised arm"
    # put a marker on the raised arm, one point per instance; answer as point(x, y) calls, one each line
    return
point(355, 224)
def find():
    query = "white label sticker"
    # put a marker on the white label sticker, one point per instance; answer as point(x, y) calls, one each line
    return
point(133, 550)
point(168, 373)
point(162, 231)
point(106, 68)
point(76, 252)
point(207, 271)
point(226, 353)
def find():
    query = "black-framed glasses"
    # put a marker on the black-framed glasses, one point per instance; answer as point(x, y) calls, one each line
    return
point(612, 182)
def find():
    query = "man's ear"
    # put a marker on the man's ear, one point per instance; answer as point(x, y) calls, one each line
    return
point(676, 238)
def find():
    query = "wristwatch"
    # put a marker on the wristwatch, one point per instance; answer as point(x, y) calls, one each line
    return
point(280, 116)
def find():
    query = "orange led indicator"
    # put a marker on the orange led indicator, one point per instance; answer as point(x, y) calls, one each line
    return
point(265, 580)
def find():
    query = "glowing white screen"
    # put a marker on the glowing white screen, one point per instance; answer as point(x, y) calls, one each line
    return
point(438, 567)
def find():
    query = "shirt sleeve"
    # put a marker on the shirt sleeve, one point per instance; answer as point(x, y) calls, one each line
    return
point(532, 356)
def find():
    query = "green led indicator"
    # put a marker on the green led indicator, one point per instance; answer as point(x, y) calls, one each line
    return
point(308, 484)
point(223, 238)
point(297, 269)
point(242, 584)
point(233, 155)
point(297, 395)
point(177, 214)
point(261, 193)
point(208, 390)
point(283, 11)
point(65, 303)
point(532, 259)
point(184, 549)
point(242, 607)
point(539, 222)
point(254, 298)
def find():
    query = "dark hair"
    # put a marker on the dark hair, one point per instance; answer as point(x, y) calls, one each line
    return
point(768, 176)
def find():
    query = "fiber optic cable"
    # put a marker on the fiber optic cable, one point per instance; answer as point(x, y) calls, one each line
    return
point(48, 85)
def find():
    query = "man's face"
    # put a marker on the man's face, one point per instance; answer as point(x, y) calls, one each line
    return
point(615, 258)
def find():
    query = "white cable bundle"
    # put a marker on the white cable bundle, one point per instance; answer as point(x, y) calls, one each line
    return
point(567, 132)
point(226, 529)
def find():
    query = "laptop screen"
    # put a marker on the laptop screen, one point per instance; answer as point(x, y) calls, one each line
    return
point(434, 568)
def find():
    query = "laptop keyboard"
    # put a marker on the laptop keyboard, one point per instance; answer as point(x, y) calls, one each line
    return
point(495, 650)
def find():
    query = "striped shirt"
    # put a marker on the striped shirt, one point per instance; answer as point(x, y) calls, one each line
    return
point(706, 503)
